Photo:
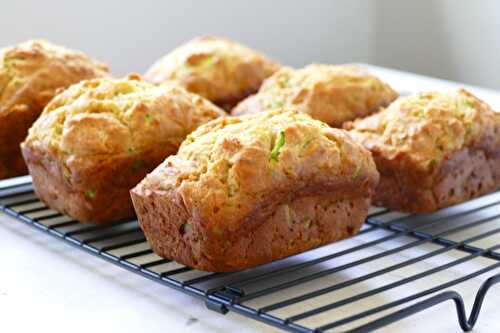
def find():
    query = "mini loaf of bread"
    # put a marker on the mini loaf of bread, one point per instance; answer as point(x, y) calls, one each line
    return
point(333, 94)
point(245, 191)
point(30, 74)
point(217, 68)
point(432, 150)
point(99, 138)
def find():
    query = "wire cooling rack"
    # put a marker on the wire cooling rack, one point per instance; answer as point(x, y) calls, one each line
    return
point(418, 266)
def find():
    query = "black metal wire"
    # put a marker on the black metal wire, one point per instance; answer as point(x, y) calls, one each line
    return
point(317, 275)
point(124, 244)
point(385, 270)
point(423, 294)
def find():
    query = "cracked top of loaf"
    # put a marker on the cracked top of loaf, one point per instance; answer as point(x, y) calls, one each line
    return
point(232, 169)
point(112, 117)
point(330, 93)
point(217, 68)
point(426, 127)
point(31, 72)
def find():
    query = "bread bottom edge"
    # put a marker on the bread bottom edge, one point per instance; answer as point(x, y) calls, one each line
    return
point(465, 175)
point(295, 227)
point(96, 194)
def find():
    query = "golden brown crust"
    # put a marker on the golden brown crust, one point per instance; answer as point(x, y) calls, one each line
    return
point(30, 74)
point(298, 226)
point(216, 68)
point(212, 204)
point(432, 150)
point(99, 138)
point(13, 129)
point(465, 175)
point(333, 94)
point(90, 189)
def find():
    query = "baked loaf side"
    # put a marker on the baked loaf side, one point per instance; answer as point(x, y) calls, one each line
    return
point(432, 150)
point(333, 94)
point(30, 74)
point(219, 69)
point(245, 191)
point(99, 138)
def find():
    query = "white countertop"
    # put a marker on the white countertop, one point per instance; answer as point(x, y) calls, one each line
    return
point(49, 286)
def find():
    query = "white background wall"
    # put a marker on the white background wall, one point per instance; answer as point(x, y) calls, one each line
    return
point(458, 40)
point(130, 35)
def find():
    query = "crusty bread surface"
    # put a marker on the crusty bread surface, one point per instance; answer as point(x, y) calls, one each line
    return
point(30, 75)
point(217, 68)
point(99, 138)
point(244, 191)
point(432, 150)
point(330, 93)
